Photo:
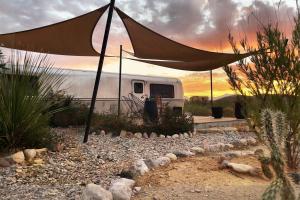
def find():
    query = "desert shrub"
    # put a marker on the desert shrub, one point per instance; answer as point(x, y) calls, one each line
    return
point(169, 123)
point(73, 114)
point(197, 109)
point(272, 78)
point(24, 101)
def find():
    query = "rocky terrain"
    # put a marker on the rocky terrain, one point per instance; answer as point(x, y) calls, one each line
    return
point(64, 174)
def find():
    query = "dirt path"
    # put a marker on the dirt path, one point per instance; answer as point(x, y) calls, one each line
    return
point(200, 178)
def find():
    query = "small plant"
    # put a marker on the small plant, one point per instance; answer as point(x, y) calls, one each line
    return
point(25, 91)
point(274, 128)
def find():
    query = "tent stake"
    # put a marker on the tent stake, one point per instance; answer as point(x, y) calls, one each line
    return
point(100, 65)
point(120, 80)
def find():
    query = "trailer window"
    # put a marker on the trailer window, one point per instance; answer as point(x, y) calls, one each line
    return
point(162, 90)
point(138, 88)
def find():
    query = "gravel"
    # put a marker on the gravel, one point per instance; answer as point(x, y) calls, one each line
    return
point(65, 174)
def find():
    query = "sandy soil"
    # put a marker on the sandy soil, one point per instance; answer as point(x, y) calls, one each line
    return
point(200, 178)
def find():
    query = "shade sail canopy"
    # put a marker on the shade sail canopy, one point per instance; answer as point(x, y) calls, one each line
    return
point(148, 44)
point(71, 37)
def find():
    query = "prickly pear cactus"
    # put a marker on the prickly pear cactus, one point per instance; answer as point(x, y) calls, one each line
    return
point(274, 130)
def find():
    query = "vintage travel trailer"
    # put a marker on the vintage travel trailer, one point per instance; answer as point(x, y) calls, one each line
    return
point(138, 88)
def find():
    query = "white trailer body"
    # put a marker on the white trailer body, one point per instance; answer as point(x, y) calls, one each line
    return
point(80, 85)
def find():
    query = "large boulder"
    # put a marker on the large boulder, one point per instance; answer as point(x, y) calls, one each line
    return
point(96, 192)
point(18, 157)
point(139, 168)
point(183, 153)
point(121, 189)
point(29, 154)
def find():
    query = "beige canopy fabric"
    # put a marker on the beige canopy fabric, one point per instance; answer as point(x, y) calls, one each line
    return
point(71, 37)
point(203, 65)
point(148, 44)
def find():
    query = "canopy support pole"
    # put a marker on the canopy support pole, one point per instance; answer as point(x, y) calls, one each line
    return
point(99, 71)
point(120, 81)
point(211, 90)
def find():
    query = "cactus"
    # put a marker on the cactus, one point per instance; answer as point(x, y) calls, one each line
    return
point(274, 130)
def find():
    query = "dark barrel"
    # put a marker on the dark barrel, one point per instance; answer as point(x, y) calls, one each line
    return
point(217, 112)
point(151, 109)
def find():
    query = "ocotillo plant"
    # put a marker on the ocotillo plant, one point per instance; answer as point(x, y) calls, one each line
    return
point(274, 130)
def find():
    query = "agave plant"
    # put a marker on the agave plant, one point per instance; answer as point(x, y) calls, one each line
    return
point(25, 105)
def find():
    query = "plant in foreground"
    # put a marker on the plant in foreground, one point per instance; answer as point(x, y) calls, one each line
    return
point(274, 131)
point(25, 103)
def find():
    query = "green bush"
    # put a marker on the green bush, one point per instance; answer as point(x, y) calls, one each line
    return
point(25, 89)
point(169, 123)
point(74, 114)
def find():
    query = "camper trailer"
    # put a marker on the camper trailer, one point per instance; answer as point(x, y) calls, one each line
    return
point(135, 89)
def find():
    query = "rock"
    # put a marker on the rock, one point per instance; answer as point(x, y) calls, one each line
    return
point(139, 168)
point(121, 189)
point(41, 151)
point(191, 134)
point(181, 136)
point(29, 154)
point(168, 136)
point(251, 141)
point(138, 135)
point(183, 153)
point(175, 136)
point(102, 133)
point(171, 156)
point(18, 157)
point(241, 168)
point(243, 142)
point(186, 135)
point(145, 135)
point(197, 150)
point(159, 162)
point(235, 154)
point(4, 162)
point(129, 134)
point(153, 135)
point(123, 134)
point(137, 189)
point(228, 146)
point(59, 147)
point(259, 152)
point(38, 161)
point(162, 136)
point(96, 192)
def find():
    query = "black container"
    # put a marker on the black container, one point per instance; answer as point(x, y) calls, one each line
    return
point(217, 112)
point(238, 111)
point(151, 109)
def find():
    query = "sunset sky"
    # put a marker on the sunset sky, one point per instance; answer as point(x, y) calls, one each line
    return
point(202, 24)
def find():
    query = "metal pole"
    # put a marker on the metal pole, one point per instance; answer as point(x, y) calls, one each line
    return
point(211, 89)
point(120, 80)
point(100, 65)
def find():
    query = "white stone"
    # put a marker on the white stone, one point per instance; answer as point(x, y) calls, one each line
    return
point(137, 189)
point(41, 151)
point(241, 168)
point(191, 134)
point(197, 150)
point(140, 167)
point(153, 135)
point(186, 135)
point(175, 136)
point(251, 141)
point(181, 136)
point(172, 156)
point(145, 135)
point(161, 161)
point(96, 192)
point(29, 154)
point(123, 133)
point(121, 189)
point(183, 153)
point(138, 135)
point(168, 136)
point(162, 136)
point(102, 132)
point(243, 142)
point(18, 157)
